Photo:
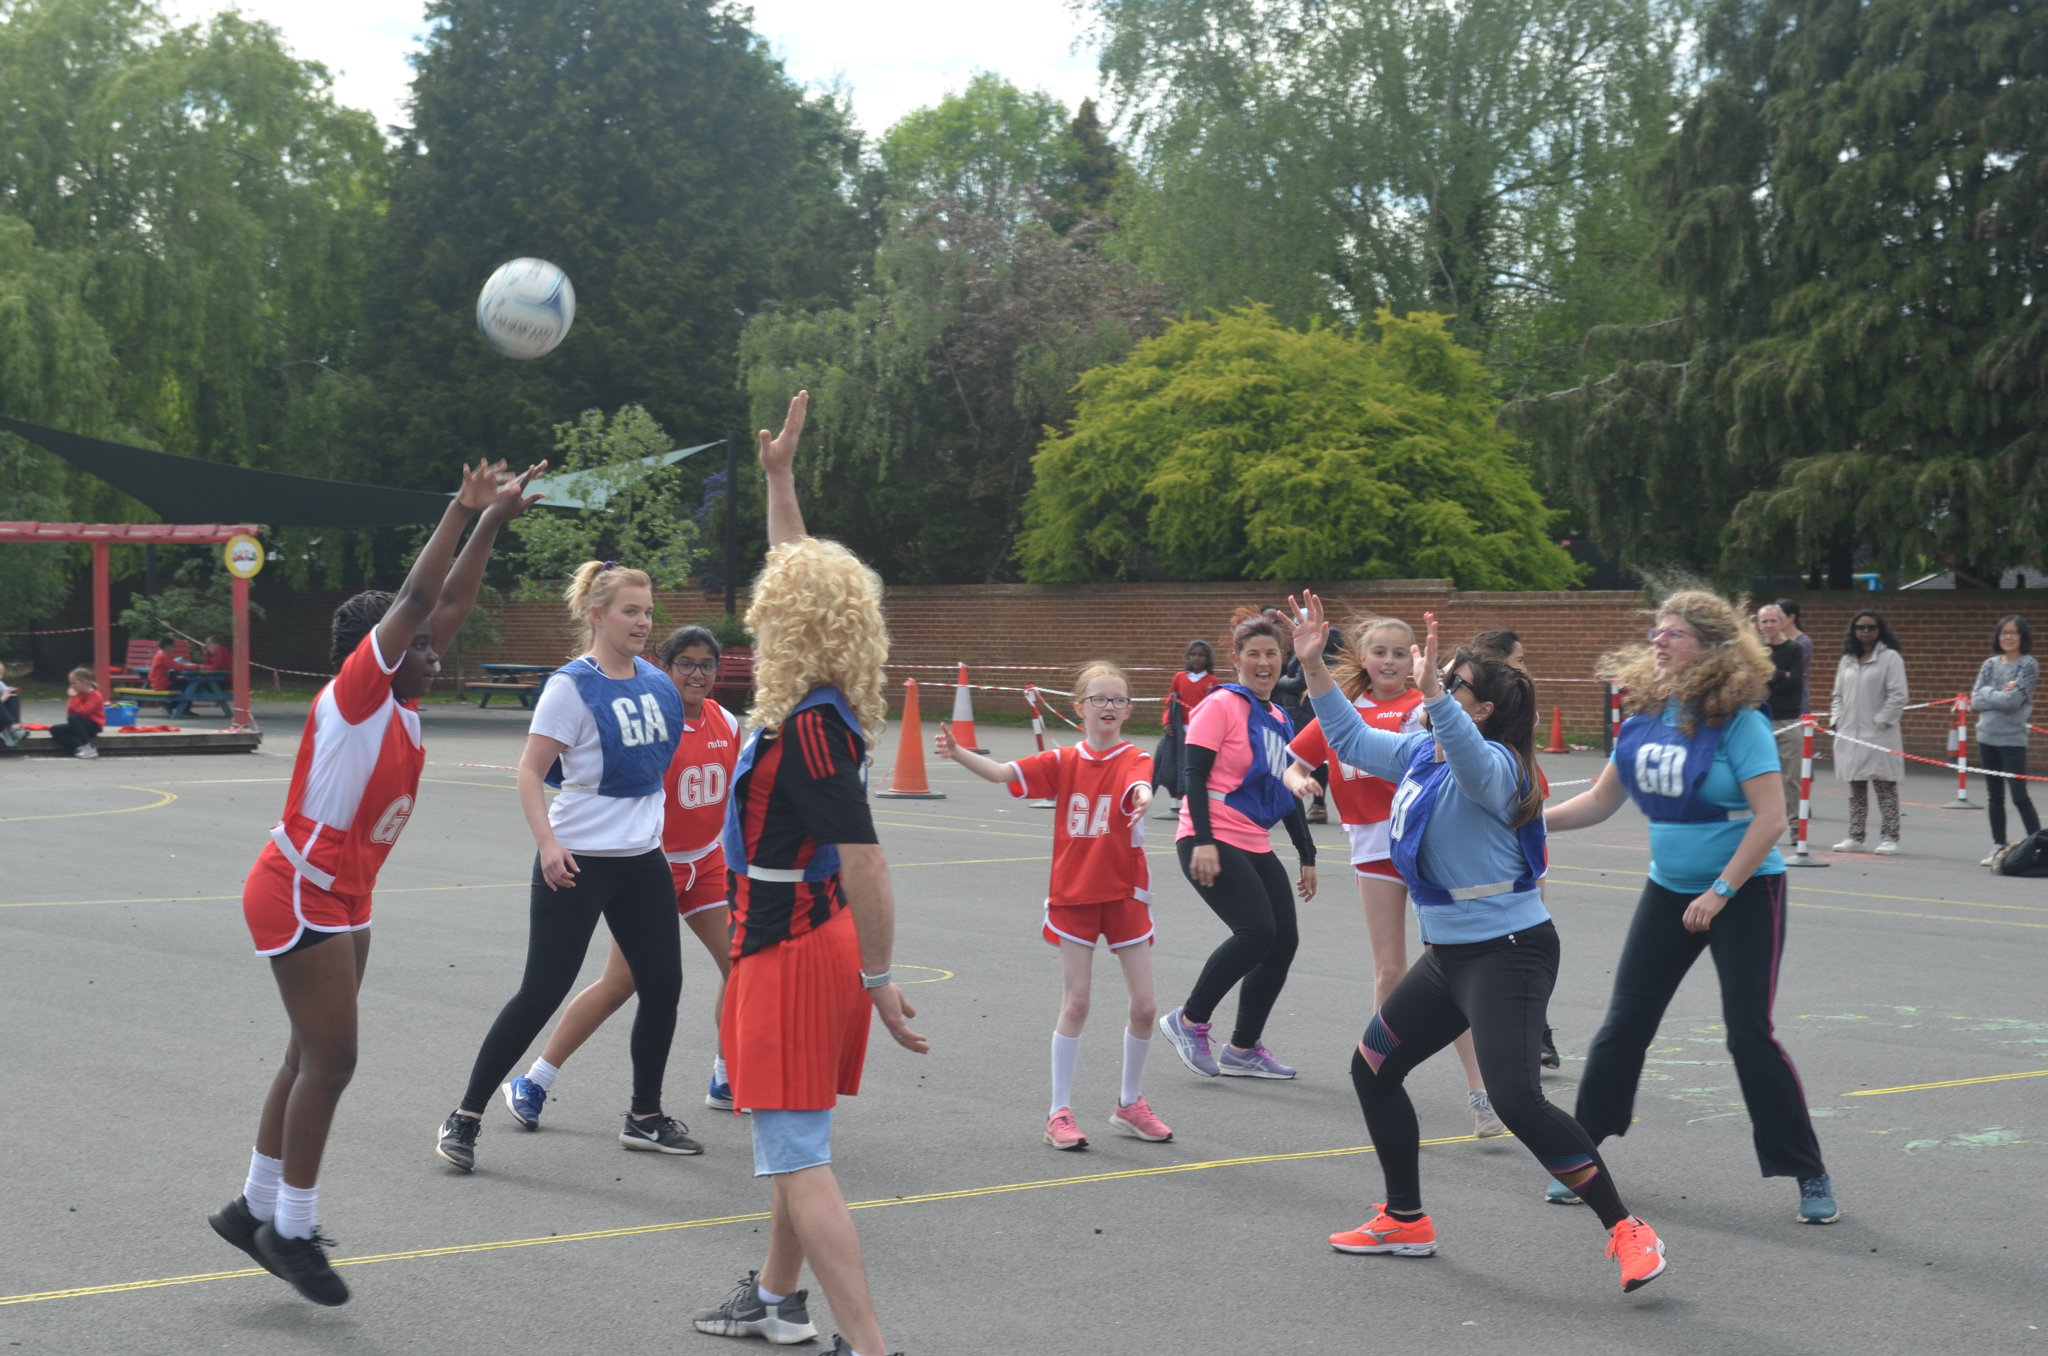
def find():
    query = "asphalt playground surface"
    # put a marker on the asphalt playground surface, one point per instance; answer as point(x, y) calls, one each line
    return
point(140, 1033)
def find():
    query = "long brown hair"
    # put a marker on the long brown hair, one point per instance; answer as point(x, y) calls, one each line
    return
point(1512, 721)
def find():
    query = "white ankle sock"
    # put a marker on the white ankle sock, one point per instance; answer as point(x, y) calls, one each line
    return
point(542, 1075)
point(1066, 1054)
point(718, 1074)
point(768, 1297)
point(1135, 1050)
point(296, 1208)
point(260, 1191)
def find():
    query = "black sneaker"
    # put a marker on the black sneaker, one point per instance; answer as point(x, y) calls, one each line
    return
point(1549, 1059)
point(457, 1140)
point(744, 1315)
point(301, 1263)
point(661, 1134)
point(234, 1223)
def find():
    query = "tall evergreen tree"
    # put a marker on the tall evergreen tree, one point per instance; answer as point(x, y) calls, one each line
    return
point(657, 153)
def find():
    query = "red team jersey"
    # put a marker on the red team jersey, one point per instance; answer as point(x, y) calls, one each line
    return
point(1098, 854)
point(695, 785)
point(1190, 690)
point(357, 772)
point(1361, 797)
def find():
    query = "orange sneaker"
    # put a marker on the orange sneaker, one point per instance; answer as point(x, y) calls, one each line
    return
point(1062, 1133)
point(1636, 1246)
point(1385, 1234)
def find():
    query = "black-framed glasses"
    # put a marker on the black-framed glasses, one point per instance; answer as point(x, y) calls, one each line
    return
point(1454, 681)
point(694, 665)
point(1107, 703)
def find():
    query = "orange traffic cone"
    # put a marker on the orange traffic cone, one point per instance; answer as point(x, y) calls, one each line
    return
point(907, 780)
point(1556, 730)
point(963, 715)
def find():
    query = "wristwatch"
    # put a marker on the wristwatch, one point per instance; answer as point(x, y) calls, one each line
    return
point(868, 981)
point(1724, 889)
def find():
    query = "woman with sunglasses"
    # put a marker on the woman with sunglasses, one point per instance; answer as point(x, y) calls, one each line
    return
point(1468, 839)
point(692, 821)
point(1869, 697)
point(1698, 758)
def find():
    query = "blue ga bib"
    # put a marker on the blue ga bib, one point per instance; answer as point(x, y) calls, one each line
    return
point(639, 723)
point(824, 863)
point(1262, 797)
point(1662, 768)
point(1415, 800)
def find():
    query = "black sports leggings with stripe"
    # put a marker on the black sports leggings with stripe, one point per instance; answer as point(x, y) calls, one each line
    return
point(1255, 900)
point(637, 900)
point(1499, 989)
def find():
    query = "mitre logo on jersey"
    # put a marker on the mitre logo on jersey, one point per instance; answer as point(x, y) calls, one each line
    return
point(392, 822)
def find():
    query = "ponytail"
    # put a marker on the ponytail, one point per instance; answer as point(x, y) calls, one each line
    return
point(593, 584)
point(1512, 723)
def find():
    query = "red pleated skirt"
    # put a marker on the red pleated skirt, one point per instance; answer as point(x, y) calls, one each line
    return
point(796, 1021)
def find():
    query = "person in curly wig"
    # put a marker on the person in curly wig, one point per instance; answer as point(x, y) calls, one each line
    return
point(813, 918)
point(1698, 759)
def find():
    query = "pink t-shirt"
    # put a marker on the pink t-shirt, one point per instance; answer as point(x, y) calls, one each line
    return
point(1219, 724)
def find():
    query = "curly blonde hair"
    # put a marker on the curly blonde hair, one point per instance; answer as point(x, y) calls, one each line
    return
point(1732, 672)
point(816, 616)
point(1349, 670)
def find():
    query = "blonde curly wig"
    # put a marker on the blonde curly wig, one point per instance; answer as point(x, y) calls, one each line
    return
point(816, 616)
point(1732, 672)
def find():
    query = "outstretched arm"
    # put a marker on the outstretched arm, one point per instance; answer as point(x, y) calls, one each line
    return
point(981, 765)
point(466, 576)
point(421, 592)
point(778, 458)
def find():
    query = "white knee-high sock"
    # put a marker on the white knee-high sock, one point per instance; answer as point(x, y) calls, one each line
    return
point(1135, 1050)
point(296, 1209)
point(718, 1070)
point(1066, 1054)
point(542, 1075)
point(260, 1191)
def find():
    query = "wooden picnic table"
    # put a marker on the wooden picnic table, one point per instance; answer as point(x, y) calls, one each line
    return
point(200, 687)
point(522, 681)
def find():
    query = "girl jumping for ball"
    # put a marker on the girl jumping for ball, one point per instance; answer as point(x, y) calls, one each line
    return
point(1101, 887)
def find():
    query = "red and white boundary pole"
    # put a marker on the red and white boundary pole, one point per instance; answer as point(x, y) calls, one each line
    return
point(1800, 855)
point(1613, 716)
point(1037, 733)
point(1962, 733)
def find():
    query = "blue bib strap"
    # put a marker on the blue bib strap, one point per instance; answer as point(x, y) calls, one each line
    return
point(639, 723)
point(824, 863)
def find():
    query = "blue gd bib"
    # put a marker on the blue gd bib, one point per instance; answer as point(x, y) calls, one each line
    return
point(824, 863)
point(1262, 798)
point(639, 723)
point(1415, 800)
point(1662, 768)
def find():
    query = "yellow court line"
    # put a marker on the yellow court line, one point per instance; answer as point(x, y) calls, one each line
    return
point(642, 1230)
point(1950, 1083)
point(168, 797)
point(215, 899)
point(939, 976)
point(1805, 889)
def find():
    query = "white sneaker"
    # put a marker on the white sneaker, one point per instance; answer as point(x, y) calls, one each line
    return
point(85, 751)
point(1993, 856)
point(1887, 846)
point(1486, 1124)
point(1849, 845)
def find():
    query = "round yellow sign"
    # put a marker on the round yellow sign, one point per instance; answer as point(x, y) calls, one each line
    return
point(244, 556)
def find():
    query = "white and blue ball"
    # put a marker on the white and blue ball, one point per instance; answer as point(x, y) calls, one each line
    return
point(526, 308)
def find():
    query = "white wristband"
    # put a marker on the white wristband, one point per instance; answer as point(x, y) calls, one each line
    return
point(868, 981)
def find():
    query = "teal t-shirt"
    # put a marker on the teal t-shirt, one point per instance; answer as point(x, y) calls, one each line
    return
point(1689, 858)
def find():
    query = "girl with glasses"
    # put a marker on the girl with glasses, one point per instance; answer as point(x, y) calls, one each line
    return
point(1869, 697)
point(1101, 886)
point(693, 818)
point(1698, 758)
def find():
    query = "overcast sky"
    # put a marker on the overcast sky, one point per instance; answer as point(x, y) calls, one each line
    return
point(894, 55)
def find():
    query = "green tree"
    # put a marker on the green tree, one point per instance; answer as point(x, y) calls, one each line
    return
point(637, 515)
point(1330, 157)
point(1853, 223)
point(931, 391)
point(657, 153)
point(1238, 448)
point(990, 144)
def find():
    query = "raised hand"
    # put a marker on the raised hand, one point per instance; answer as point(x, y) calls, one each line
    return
point(778, 454)
point(1311, 628)
point(1427, 680)
point(479, 485)
point(512, 499)
point(942, 743)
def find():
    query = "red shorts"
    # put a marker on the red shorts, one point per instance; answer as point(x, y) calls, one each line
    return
point(1124, 922)
point(700, 885)
point(279, 904)
point(1383, 869)
point(795, 1025)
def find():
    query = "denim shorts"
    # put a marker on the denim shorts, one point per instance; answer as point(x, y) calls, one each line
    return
point(790, 1141)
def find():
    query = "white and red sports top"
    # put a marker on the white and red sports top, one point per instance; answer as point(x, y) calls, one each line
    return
point(694, 787)
point(1361, 797)
point(1098, 851)
point(357, 773)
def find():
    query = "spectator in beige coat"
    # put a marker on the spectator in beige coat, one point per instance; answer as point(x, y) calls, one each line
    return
point(1869, 697)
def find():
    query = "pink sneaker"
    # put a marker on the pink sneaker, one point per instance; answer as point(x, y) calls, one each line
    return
point(1062, 1133)
point(1138, 1119)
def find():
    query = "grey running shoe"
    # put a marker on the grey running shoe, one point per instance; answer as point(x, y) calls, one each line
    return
point(302, 1264)
point(1817, 1200)
point(457, 1141)
point(661, 1135)
point(1485, 1124)
point(1557, 1193)
point(1257, 1062)
point(745, 1315)
point(234, 1223)
point(1190, 1041)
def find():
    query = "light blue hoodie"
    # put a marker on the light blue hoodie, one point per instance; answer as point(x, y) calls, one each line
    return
point(1468, 841)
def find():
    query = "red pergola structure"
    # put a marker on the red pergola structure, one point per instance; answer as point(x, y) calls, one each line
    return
point(103, 535)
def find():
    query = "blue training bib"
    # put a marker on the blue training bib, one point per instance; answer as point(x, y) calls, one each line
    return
point(639, 722)
point(1662, 768)
point(1416, 799)
point(1262, 797)
point(824, 863)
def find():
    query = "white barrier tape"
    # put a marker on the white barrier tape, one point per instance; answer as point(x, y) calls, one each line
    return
point(1943, 764)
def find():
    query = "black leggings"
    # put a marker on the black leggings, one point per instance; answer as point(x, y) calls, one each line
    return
point(1499, 989)
point(638, 901)
point(76, 732)
point(1748, 939)
point(1254, 898)
point(2008, 758)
